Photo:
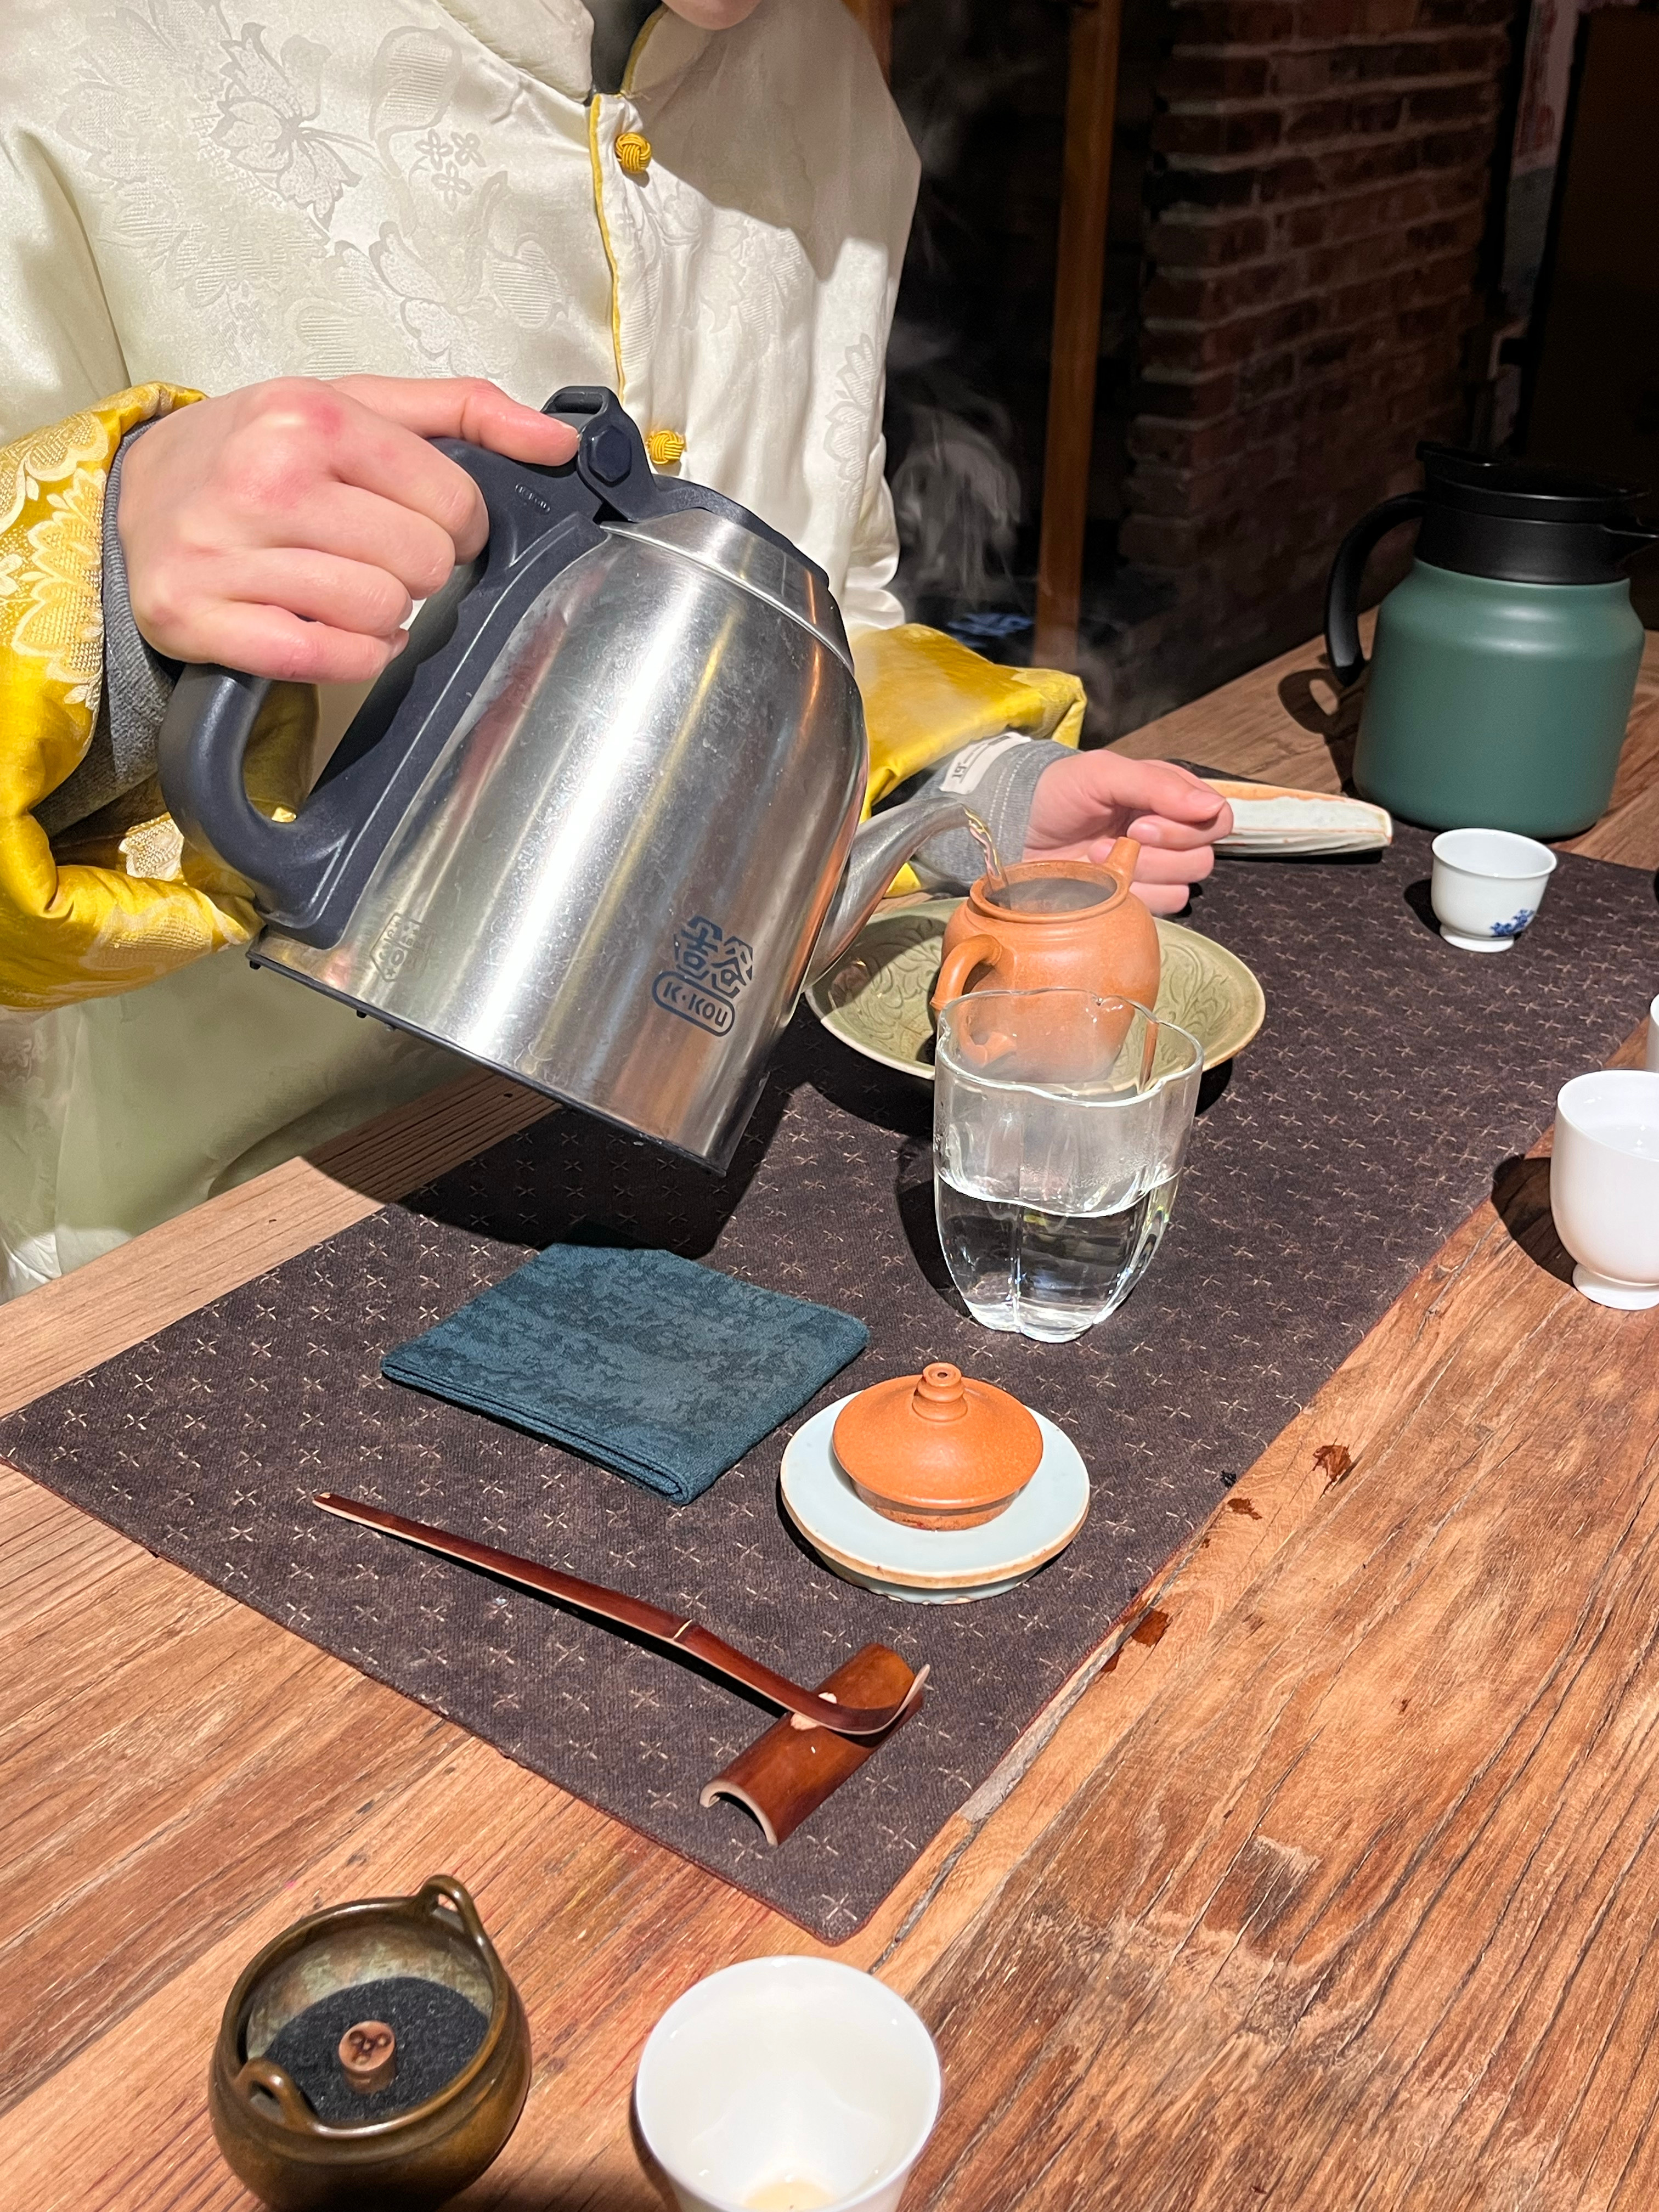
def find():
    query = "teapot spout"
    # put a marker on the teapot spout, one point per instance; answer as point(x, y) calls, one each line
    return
point(880, 850)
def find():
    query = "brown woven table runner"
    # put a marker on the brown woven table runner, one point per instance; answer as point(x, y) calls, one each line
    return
point(1393, 1077)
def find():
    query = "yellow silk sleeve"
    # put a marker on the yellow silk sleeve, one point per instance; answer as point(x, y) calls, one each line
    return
point(926, 697)
point(101, 921)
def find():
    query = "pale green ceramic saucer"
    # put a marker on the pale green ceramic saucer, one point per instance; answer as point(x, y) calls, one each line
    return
point(875, 998)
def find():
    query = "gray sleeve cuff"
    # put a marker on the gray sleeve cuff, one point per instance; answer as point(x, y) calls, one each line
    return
point(137, 685)
point(998, 778)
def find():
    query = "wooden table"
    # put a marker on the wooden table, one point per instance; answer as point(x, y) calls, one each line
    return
point(1330, 1882)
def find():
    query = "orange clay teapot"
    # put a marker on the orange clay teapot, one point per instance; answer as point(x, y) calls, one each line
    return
point(1055, 925)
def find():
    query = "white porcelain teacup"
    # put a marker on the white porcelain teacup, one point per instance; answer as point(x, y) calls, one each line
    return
point(787, 2085)
point(1604, 1184)
point(1487, 885)
point(1652, 1055)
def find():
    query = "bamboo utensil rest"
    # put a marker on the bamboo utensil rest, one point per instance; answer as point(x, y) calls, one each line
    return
point(785, 1774)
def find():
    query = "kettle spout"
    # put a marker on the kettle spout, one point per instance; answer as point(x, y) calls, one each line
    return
point(880, 850)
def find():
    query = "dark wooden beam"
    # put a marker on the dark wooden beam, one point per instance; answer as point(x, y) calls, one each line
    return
point(1091, 106)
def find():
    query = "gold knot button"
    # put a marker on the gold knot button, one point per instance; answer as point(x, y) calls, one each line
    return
point(664, 447)
point(633, 153)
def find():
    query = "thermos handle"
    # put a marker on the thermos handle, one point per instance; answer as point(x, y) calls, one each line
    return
point(1347, 572)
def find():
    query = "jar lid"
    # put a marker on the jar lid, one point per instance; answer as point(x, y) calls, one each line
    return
point(936, 1443)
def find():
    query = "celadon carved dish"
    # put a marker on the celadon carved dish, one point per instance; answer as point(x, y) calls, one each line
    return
point(875, 998)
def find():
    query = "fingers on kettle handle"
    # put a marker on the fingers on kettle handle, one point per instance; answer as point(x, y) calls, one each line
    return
point(1347, 572)
point(199, 759)
point(959, 963)
point(521, 508)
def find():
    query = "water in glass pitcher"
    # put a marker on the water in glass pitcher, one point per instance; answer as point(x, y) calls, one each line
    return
point(1048, 1275)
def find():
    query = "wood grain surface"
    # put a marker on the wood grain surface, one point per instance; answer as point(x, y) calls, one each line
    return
point(1328, 1881)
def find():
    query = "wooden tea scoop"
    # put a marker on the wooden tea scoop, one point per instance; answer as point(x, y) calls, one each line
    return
point(813, 1708)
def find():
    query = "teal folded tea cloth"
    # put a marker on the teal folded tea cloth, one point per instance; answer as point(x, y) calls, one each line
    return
point(649, 1364)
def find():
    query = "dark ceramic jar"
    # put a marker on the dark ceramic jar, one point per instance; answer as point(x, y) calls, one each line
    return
point(416, 2158)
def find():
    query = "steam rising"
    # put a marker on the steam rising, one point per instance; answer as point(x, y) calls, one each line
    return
point(956, 484)
point(957, 497)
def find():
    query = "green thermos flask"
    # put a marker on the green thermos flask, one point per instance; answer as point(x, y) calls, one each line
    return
point(1503, 666)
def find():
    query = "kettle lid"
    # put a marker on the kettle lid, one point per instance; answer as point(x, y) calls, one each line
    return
point(1524, 521)
point(766, 567)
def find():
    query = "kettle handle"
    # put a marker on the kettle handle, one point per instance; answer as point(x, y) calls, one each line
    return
point(199, 759)
point(308, 873)
point(1347, 572)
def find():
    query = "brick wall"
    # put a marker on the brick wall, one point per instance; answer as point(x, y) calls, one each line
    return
point(1296, 257)
point(1314, 205)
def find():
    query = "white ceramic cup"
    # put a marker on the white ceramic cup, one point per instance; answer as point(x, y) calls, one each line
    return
point(1604, 1184)
point(1653, 1036)
point(786, 2084)
point(1487, 885)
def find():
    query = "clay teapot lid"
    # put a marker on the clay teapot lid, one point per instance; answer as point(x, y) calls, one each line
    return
point(938, 1442)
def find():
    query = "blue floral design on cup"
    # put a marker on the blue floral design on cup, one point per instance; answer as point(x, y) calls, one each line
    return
point(1516, 923)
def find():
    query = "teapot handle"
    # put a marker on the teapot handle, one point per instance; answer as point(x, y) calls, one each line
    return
point(959, 963)
point(1347, 572)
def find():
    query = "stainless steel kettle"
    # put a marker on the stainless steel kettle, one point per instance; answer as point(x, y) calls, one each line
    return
point(595, 827)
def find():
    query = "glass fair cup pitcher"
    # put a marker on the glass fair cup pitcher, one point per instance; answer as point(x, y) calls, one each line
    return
point(1060, 1121)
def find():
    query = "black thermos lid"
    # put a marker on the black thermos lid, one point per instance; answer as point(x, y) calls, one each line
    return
point(1525, 522)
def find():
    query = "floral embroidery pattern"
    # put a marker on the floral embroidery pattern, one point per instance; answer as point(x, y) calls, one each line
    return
point(369, 189)
point(851, 416)
point(63, 623)
point(408, 187)
point(51, 484)
point(48, 457)
point(265, 111)
point(444, 156)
